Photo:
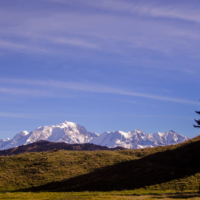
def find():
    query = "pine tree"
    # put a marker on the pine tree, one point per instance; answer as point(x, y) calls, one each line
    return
point(197, 121)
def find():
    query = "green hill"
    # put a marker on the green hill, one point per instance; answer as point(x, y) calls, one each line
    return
point(166, 167)
point(35, 169)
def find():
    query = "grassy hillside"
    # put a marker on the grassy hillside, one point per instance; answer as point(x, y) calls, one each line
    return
point(175, 167)
point(154, 168)
point(34, 169)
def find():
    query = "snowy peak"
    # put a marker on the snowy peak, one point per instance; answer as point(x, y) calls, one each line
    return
point(113, 139)
point(170, 137)
point(137, 139)
point(136, 131)
point(70, 132)
point(67, 132)
point(66, 124)
point(21, 134)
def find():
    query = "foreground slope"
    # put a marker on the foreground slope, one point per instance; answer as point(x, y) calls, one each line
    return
point(35, 169)
point(165, 168)
point(29, 170)
point(101, 170)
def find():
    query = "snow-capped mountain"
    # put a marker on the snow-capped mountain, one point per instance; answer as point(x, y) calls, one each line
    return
point(73, 133)
point(137, 139)
point(68, 132)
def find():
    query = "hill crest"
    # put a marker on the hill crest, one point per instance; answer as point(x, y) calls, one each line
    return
point(43, 146)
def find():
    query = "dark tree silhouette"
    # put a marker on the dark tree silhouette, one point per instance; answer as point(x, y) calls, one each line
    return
point(197, 121)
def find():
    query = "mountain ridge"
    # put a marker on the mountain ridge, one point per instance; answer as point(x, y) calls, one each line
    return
point(137, 139)
point(72, 133)
point(44, 146)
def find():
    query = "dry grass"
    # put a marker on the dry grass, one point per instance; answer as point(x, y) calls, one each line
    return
point(115, 195)
point(160, 168)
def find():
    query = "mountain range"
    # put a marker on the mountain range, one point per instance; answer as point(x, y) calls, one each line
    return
point(72, 133)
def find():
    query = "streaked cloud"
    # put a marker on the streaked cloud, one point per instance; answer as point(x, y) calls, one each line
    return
point(69, 56)
point(25, 92)
point(11, 45)
point(75, 42)
point(84, 87)
point(176, 10)
point(15, 115)
point(107, 32)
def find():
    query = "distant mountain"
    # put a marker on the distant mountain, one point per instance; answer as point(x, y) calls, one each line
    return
point(72, 133)
point(137, 139)
point(43, 145)
point(67, 132)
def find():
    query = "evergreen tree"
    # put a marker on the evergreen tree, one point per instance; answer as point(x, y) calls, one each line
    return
point(197, 121)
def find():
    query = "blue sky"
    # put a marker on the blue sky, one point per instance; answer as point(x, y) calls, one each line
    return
point(107, 65)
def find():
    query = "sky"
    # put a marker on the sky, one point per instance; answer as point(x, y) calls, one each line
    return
point(107, 65)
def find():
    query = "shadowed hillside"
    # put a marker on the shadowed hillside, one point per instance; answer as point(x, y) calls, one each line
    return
point(158, 168)
point(37, 168)
point(64, 170)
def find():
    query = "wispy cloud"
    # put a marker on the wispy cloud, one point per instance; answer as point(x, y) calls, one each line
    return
point(15, 115)
point(25, 92)
point(11, 45)
point(45, 116)
point(23, 47)
point(176, 10)
point(74, 42)
point(38, 115)
point(84, 87)
point(108, 32)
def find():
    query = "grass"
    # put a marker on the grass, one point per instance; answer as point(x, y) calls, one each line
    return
point(114, 195)
point(34, 169)
point(174, 167)
point(169, 168)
